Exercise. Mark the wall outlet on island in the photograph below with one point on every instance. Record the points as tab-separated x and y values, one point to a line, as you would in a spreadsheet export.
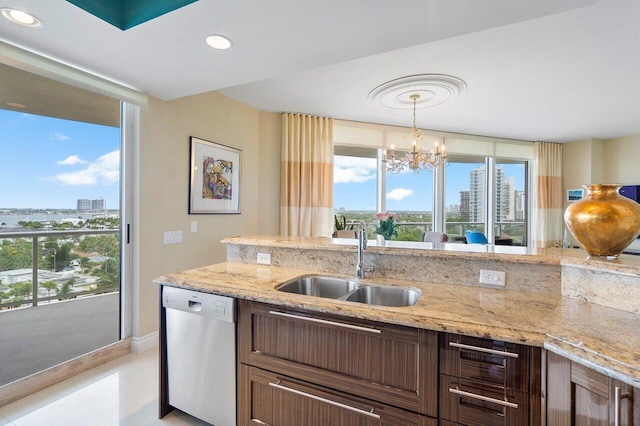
492	277
264	258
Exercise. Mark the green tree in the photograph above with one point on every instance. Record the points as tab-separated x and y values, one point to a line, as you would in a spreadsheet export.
22	289
49	285
66	287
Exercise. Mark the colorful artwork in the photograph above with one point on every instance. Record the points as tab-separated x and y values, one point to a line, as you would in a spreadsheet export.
217	179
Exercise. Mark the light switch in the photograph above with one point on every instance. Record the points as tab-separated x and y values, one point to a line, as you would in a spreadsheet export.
194	226
172	237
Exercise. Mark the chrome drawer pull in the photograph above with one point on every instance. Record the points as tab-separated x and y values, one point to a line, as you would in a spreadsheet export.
616	407
483	398
485	350
320	321
328	401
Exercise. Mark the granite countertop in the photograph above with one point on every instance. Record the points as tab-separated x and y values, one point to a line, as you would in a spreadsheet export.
625	264
602	338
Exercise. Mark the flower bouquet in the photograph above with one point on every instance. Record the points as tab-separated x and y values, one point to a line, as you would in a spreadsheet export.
387	223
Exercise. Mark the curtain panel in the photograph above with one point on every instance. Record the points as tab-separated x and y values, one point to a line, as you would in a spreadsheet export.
547	222
306	176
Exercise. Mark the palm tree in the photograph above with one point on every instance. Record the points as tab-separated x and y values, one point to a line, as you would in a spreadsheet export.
49	285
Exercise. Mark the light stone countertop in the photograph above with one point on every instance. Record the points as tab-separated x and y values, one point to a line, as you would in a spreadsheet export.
627	264
599	337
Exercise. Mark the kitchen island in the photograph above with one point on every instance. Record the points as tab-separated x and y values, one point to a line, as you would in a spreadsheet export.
533	311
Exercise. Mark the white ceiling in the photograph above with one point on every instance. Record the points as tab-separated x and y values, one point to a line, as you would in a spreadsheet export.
553	70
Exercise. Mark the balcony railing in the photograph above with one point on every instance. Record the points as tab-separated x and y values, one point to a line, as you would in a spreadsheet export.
516	230
35	260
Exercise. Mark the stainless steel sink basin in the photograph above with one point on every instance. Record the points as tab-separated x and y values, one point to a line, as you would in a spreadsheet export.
385	296
330	287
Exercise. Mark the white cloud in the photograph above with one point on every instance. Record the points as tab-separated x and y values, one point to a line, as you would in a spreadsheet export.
59	137
353	169
104	171
71	160
399	194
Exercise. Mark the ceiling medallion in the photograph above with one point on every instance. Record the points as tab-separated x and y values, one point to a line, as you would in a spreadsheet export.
434	89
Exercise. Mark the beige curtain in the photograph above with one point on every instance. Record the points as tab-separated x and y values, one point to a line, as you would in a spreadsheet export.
547	220
306	176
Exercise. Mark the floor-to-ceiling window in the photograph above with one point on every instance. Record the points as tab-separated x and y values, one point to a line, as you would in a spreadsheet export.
410	196
60	222
355	175
465	193
483	187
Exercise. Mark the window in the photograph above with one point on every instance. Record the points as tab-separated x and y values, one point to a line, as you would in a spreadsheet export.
410	195
511	202
355	174
465	193
482	188
60	231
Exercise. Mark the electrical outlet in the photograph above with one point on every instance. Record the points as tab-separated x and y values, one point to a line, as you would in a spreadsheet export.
264	258
492	277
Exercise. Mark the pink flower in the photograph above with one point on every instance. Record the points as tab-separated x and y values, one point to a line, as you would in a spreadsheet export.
387	216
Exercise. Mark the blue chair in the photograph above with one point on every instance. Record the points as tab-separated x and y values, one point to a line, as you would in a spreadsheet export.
474	237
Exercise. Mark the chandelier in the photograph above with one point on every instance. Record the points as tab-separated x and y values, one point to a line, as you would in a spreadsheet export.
416	159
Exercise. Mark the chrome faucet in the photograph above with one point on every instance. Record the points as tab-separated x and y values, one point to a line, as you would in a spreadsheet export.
361	268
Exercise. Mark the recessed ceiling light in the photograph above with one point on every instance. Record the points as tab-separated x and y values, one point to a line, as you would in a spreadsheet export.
218	41
16	105
20	17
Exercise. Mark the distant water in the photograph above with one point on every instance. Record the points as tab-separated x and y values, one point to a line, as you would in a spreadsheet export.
12	220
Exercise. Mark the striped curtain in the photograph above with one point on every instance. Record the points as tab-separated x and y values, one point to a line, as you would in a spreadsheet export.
547	195
306	176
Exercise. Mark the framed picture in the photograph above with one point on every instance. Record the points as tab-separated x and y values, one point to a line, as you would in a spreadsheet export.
575	194
214	178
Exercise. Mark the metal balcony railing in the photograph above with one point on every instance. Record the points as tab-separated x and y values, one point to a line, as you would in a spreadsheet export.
35	258
517	230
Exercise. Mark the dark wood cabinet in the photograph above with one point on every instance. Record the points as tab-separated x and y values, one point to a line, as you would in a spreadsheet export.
393	366
488	382
274	399
577	395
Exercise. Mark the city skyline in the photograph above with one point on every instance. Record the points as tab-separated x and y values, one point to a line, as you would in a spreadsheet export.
355	184
55	162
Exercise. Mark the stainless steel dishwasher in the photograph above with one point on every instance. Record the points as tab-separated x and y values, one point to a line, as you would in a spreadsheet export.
201	354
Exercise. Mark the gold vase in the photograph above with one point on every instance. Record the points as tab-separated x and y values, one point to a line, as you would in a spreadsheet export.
604	222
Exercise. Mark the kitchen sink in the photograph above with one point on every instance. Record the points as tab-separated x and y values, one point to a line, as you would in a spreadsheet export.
351	291
385	296
330	287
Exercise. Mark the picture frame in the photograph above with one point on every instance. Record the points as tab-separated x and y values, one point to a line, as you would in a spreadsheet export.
575	195
214	178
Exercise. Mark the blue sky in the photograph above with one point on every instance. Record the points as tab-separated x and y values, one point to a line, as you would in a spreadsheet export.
50	163
355	187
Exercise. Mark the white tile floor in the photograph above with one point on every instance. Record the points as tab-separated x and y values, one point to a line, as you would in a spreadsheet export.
120	392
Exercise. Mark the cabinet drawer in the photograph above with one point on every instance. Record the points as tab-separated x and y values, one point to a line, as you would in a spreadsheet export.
386	363
472	403
492	361
277	400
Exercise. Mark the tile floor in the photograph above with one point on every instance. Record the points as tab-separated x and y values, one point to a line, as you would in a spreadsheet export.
121	392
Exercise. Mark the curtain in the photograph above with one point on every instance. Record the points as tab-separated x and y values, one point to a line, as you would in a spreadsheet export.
547	195
306	176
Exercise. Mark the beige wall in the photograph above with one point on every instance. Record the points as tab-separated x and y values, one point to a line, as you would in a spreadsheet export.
601	161
621	157
163	174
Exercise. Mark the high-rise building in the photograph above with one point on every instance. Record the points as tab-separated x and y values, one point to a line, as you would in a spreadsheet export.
464	205
477	195
91	206
520	205
509	213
